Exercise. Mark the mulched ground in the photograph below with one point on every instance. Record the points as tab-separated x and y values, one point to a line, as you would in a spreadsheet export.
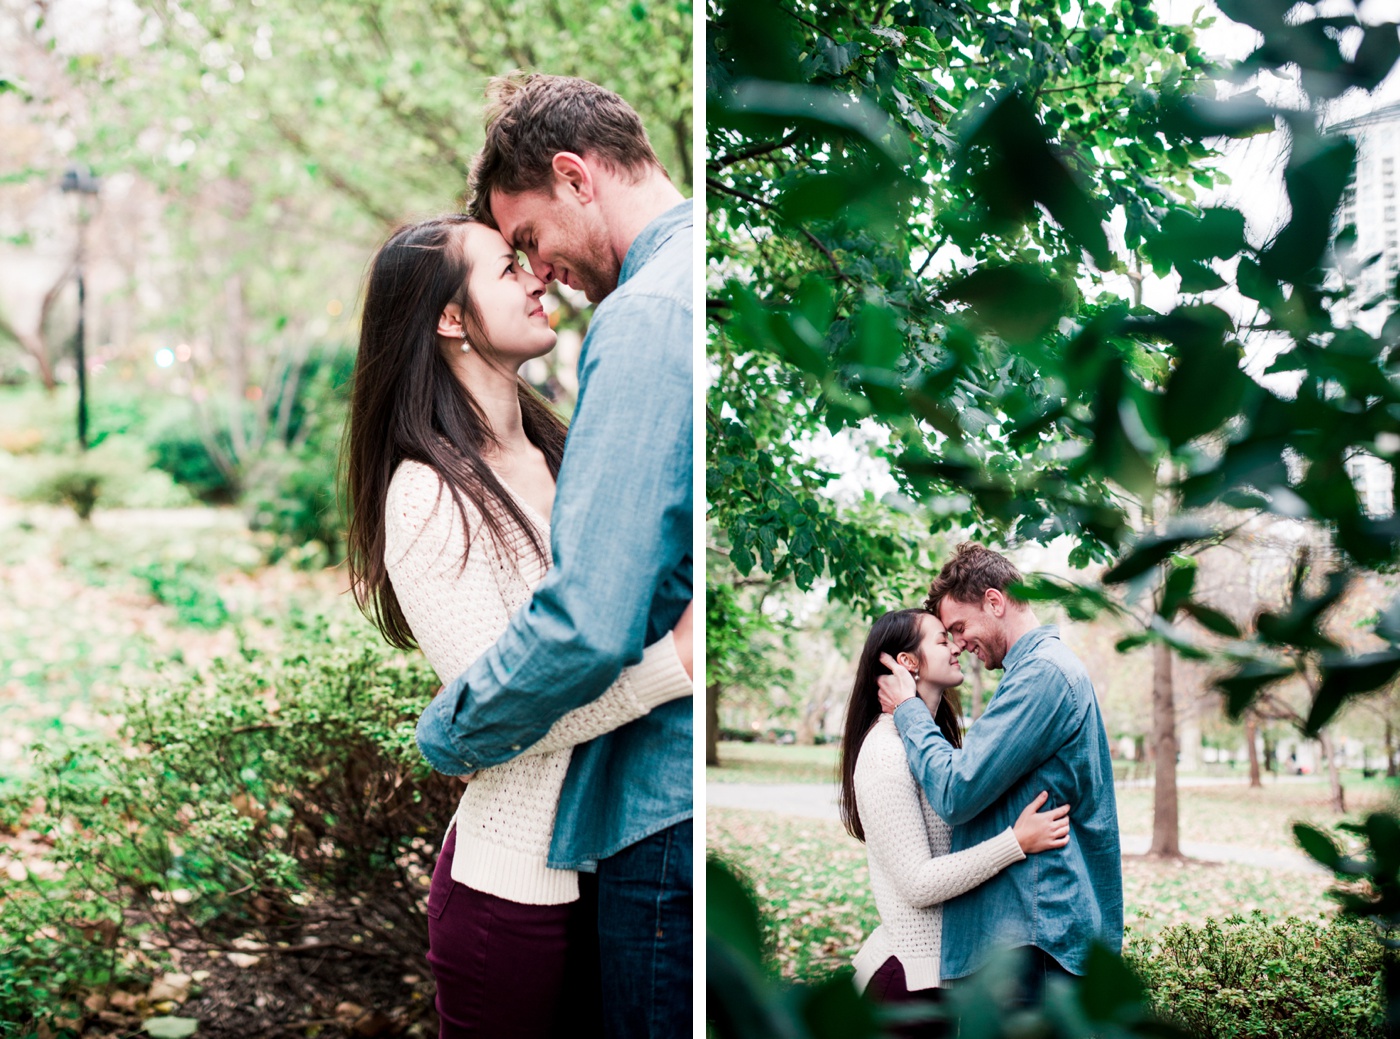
330	974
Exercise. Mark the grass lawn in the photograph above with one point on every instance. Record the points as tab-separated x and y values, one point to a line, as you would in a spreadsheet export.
810	877
1228	814
774	763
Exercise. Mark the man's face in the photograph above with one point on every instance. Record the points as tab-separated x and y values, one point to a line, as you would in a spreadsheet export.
562	239
975	628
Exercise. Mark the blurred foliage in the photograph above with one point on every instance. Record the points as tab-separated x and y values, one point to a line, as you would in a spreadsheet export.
906	230
281	141
226	799
1241	976
954	293
744	1000
114	474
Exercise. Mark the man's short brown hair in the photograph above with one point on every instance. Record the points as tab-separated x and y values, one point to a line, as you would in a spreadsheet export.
531	117
966	577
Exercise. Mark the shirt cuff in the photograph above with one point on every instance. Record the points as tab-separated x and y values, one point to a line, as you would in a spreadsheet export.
904	715
660	676
434	738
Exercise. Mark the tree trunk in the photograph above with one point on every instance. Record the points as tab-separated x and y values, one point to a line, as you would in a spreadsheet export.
1389	751
1334	778
1165	831
1251	736
712	724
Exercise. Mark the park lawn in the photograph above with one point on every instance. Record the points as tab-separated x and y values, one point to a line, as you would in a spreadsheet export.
810	878
1261	818
1231	813
774	763
89	609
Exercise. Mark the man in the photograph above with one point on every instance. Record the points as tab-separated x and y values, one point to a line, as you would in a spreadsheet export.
1041	731
569	178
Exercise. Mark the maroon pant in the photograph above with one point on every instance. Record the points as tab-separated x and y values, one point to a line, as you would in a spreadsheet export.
888	986
509	970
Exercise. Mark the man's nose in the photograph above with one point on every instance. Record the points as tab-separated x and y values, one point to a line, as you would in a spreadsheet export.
540	269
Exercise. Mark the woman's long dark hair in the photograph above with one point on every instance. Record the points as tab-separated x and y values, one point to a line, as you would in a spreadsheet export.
894	633
407	405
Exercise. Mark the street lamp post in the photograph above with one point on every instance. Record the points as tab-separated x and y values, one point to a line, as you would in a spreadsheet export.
79	181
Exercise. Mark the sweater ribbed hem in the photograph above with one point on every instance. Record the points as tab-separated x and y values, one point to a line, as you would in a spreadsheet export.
513	875
659	677
920	972
1005	848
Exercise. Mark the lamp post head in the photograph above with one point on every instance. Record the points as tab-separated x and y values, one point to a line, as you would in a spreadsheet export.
79	179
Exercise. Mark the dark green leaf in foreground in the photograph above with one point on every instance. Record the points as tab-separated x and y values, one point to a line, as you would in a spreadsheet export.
1021	170
1039	300
1317	844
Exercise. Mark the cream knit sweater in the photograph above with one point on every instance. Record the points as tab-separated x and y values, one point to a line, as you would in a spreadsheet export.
911	871
506	816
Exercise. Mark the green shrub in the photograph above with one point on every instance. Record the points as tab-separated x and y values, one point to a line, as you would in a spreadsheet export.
195	599
292	498
226	799
179	449
76	483
1242	977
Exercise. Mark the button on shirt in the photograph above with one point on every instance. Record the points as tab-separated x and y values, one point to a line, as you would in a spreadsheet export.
1041	731
621	535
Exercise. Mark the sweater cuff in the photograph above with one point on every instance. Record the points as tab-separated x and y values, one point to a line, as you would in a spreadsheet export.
660	676
1005	848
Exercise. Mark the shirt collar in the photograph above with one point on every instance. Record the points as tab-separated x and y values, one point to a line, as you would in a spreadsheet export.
1028	642
654	236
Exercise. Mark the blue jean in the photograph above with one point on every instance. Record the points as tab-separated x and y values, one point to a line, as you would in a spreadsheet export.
644	936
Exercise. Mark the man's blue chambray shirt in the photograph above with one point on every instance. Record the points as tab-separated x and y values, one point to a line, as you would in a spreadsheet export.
621	534
1041	731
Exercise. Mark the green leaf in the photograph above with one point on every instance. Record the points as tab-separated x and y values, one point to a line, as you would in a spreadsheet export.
1151	551
1243	685
1018	302
1318	845
1109	987
1212	620
1347	678
1022	170
878	342
730	914
1317	174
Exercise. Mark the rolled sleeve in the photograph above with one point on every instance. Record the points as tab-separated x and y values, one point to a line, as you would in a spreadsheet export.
621	525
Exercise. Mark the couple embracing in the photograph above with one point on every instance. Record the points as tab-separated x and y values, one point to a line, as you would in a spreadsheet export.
544	572
1008	838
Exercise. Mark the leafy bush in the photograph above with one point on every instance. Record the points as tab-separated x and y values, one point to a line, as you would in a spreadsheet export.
1245	977
178	448
195	599
226	800
76	483
292	497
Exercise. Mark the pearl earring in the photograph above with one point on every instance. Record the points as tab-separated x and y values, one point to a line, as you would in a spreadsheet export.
466	346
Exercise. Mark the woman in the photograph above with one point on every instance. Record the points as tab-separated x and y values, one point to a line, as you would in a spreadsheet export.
452	460
907	845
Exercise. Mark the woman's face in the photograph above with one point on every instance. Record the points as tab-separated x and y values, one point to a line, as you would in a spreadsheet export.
506	297
937	654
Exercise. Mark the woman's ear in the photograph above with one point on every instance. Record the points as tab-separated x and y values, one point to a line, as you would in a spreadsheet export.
450	322
910	662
